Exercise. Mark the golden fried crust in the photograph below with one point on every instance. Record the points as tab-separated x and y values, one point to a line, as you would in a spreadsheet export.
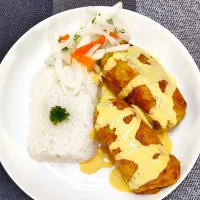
128	119
118	78
127	168
143	59
107	135
146	136
141	96
124	42
156	125
162	85
179	105
96	113
167	177
121	105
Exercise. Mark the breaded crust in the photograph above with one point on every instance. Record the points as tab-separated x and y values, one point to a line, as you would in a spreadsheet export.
119	77
146	136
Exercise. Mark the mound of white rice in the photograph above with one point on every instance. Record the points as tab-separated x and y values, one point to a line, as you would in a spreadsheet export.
68	141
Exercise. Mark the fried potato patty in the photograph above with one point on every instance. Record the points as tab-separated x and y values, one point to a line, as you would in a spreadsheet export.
118	78
146	136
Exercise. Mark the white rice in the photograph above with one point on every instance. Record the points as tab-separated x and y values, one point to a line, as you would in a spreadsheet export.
68	141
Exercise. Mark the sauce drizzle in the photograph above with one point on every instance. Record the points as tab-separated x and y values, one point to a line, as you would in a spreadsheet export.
149	75
117	181
166	141
100	160
130	148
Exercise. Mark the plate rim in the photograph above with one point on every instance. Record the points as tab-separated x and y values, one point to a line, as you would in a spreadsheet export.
171	35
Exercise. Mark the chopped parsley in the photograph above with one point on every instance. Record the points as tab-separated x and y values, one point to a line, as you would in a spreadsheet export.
115	31
93	20
110	21
65	48
76	37
59	39
99	14
122	31
58	114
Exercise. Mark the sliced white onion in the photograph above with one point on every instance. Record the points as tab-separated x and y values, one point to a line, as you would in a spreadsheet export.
51	39
98	55
111	28
65	89
89	82
123	36
101	21
78	74
66	57
72	78
86	39
118	5
64	75
101	52
69	43
50	60
107	45
95	11
91	86
122	47
97	30
97	68
92	50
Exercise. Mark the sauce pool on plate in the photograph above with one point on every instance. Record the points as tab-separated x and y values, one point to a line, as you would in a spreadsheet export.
100	160
166	141
117	181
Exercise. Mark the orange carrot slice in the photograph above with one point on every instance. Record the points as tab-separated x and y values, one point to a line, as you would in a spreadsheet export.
86	61
79	54
84	49
114	35
64	37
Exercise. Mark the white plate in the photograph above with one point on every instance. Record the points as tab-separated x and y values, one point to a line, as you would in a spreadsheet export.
44	181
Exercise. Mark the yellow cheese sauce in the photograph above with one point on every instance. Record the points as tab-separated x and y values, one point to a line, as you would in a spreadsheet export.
166	141
149	75
95	77
93	134
130	148
117	181
106	94
162	134
141	115
100	160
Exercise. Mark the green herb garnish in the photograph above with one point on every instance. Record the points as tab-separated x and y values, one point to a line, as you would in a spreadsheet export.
59	39
110	21
65	48
93	20
76	37
99	14
122	31
115	31
58	114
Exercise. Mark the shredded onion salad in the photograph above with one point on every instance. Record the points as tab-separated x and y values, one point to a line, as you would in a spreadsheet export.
77	52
